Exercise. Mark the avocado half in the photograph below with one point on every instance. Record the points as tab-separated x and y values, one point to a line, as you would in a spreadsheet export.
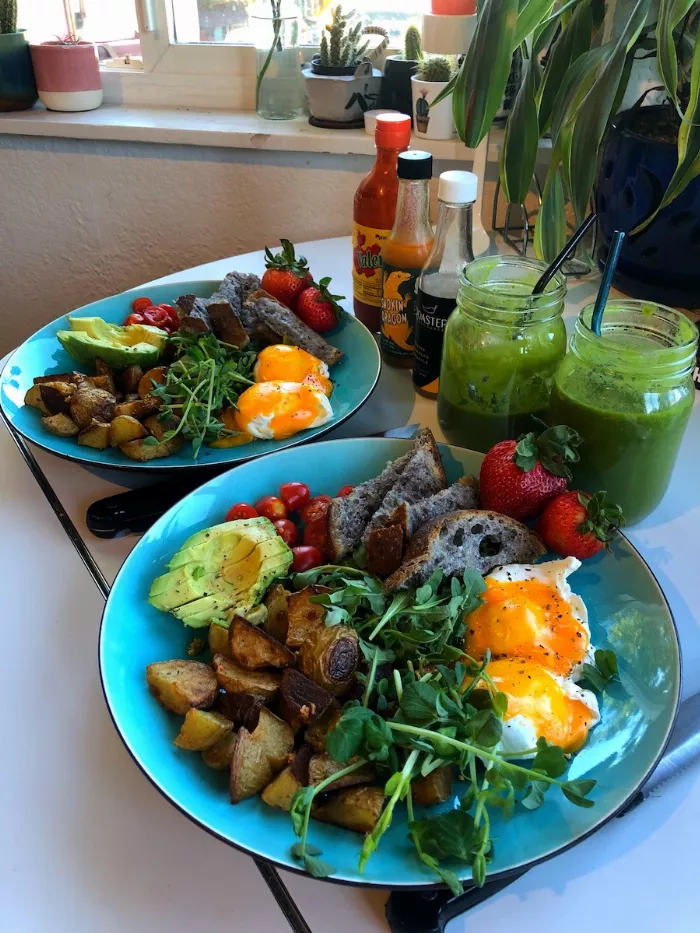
226	567
119	347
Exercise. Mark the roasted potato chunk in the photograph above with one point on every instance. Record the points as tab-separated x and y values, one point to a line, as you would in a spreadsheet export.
218	640
243	709
356	808
124	429
235	679
182	685
159	428
96	435
304	618
105	377
201	729
154	377
329	657
58	377
301	700
89	404
250	768
140	408
130	379
253	648
56	396
275	736
33	398
276	600
323	766
435	788
143	452
280	792
61	425
316	734
219	756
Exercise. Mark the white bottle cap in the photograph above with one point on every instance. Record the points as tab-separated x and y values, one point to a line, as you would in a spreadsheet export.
458	187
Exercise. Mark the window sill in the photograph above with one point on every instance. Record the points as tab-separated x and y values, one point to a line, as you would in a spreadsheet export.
199	127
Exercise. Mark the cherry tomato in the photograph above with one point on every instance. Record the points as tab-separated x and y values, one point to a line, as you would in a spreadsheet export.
287	531
240	510
135	318
316	534
306	558
315	508
157	317
344	491
271	507
140	304
295	495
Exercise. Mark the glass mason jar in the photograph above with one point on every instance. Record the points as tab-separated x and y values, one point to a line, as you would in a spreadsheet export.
279	86
629	394
501	349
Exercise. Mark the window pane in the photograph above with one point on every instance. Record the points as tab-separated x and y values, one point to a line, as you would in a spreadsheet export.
110	24
228	20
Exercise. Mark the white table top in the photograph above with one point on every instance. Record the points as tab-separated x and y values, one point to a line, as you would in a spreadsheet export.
89	846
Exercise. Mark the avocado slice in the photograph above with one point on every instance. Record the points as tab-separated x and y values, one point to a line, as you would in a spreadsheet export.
119	347
228	566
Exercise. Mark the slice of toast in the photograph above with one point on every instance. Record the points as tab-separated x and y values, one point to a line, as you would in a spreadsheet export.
464	494
471	538
385	550
274	322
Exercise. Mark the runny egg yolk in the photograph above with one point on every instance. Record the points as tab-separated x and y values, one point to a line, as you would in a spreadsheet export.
291	364
536	695
527	619
277	410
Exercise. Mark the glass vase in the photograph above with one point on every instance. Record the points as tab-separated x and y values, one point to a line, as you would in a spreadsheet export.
279	86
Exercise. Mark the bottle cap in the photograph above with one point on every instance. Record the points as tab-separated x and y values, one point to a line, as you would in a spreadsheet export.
415	164
458	187
393	131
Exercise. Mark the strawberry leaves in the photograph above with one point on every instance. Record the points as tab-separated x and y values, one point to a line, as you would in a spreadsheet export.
554	448
324	295
603	518
287	260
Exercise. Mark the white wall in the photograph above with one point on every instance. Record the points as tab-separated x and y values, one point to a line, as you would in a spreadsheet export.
80	220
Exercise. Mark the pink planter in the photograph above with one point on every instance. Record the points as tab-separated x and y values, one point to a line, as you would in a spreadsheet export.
67	76
453	7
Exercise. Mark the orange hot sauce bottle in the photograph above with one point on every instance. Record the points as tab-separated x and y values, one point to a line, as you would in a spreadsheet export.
373	216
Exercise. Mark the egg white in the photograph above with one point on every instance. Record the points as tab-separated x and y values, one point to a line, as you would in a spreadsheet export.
259	425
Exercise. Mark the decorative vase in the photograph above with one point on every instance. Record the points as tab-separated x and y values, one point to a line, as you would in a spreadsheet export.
17	85
67	75
396	84
340	95
279	88
431	122
660	263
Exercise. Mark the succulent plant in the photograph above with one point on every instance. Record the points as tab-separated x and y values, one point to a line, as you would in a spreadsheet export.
8	16
422	107
413	45
435	68
340	45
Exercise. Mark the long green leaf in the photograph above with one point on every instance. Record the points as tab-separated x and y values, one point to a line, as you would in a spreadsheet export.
531	14
572	43
485	70
519	152
448	88
688	166
550	229
575	85
592	118
671	12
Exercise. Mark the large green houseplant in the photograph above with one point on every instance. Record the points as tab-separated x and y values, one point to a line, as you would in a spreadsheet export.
578	64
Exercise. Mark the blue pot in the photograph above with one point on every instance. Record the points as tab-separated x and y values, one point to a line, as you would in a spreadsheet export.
17	87
662	263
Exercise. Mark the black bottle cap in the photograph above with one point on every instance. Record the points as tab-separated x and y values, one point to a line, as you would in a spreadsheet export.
415	164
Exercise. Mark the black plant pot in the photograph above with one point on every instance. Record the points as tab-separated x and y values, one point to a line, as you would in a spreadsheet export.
396	85
332	71
662	263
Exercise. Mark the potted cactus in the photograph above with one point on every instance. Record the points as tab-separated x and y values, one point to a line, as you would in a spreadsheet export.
432	122
67	74
17	87
341	81
398	70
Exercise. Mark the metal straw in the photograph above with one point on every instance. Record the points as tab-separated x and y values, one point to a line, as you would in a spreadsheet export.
568	249
606	281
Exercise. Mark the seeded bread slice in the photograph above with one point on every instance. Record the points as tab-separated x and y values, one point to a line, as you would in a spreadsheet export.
471	538
234	289
464	494
273	322
385	550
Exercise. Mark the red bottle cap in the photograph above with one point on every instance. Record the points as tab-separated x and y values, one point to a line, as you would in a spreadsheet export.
393	131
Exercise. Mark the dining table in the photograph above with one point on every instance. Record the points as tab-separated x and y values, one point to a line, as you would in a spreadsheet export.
88	845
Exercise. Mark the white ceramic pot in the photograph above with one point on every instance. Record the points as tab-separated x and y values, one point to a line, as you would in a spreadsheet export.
431	122
337	97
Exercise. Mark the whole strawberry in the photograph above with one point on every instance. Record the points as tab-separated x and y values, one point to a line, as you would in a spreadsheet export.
317	308
518	478
578	525
287	275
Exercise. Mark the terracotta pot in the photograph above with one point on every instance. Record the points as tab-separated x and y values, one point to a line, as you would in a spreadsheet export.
17	87
67	76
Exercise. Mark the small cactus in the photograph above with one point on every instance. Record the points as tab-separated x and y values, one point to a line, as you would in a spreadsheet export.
435	68
413	45
8	16
343	48
422	107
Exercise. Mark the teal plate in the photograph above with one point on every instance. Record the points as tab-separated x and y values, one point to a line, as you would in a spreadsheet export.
355	377
628	613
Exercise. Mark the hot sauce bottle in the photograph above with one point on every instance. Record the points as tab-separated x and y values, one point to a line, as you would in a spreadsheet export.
403	256
373	216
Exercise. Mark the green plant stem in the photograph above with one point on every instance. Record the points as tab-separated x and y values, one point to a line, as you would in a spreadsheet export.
398	684
370	679
398	603
277	27
372	841
317	790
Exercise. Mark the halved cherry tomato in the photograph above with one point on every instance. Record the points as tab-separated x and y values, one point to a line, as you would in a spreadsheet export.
140	304
240	510
344	491
271	507
306	558
295	495
287	531
158	317
135	318
315	508
316	534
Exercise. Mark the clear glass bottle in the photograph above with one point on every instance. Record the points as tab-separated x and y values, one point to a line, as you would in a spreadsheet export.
403	256
279	85
438	285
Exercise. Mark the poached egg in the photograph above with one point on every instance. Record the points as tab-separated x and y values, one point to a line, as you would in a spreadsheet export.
277	409
284	363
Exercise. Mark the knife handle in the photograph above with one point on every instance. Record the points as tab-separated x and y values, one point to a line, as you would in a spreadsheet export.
133	512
